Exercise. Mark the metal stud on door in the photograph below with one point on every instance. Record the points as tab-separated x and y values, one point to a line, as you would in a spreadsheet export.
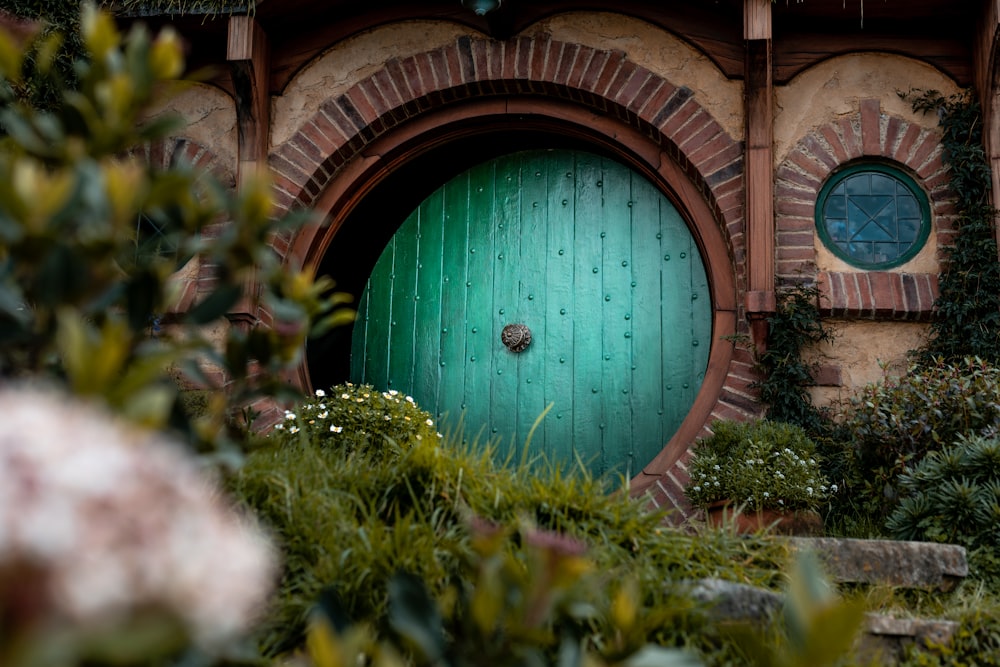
598	268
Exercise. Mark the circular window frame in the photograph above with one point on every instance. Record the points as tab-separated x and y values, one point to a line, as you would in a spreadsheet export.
893	171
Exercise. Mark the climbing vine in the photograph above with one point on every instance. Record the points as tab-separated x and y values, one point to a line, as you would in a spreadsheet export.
967	312
786	375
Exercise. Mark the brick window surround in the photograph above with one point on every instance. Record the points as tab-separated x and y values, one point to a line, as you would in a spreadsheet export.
868	133
605	84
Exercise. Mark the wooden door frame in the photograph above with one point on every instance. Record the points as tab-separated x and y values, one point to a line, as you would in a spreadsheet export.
387	153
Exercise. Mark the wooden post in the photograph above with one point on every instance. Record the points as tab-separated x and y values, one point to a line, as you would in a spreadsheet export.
987	79
759	99
250	67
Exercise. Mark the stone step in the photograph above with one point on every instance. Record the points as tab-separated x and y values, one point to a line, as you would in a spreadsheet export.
894	563
884	638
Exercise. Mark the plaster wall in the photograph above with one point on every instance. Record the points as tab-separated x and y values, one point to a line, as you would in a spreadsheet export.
348	62
210	119
834	89
659	51
865	352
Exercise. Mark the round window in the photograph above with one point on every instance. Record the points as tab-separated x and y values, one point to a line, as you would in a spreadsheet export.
872	216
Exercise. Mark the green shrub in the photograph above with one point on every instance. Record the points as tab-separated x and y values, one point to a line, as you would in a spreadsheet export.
763	464
357	419
349	519
952	496
890	426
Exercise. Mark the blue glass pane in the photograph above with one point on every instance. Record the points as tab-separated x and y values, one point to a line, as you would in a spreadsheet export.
861	252
886	252
858	185
883	185
907	206
837	229
872	232
909	230
838	190
836	207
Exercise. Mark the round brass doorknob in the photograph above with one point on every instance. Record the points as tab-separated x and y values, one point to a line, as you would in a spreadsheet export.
516	337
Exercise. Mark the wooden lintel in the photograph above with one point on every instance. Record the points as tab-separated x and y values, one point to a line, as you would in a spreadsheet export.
756	19
249	60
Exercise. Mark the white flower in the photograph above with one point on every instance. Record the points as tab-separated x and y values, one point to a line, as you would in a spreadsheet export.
323	415
289	415
419	438
429	422
760	461
697	488
716	467
439	436
409	399
781	502
715	483
833	487
779	475
750	462
279	427
345	395
388	418
809	490
111	520
360	400
767	495
320	393
294	429
336	429
322	406
393	392
801	462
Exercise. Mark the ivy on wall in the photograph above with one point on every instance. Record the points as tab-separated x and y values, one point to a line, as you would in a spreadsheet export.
967	313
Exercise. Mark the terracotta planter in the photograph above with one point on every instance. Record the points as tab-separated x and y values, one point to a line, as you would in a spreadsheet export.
784	522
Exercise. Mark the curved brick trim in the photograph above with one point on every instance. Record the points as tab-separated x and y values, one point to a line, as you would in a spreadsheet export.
167	153
603	81
867	133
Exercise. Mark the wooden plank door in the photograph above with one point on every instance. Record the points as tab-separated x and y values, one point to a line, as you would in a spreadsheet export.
593	259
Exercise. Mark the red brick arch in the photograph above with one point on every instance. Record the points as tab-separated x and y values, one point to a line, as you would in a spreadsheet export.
706	169
868	133
166	153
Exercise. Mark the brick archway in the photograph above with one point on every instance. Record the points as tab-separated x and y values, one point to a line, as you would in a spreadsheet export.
655	125
167	153
869	133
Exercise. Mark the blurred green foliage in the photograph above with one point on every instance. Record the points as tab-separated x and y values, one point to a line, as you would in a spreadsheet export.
80	297
348	519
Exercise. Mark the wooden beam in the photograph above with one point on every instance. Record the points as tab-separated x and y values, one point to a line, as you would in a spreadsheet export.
248	54
759	96
756	19
986	67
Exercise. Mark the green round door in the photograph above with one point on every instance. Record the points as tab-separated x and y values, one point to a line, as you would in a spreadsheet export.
599	267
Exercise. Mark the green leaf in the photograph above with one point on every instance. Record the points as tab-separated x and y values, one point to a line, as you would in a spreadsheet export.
215	305
415	616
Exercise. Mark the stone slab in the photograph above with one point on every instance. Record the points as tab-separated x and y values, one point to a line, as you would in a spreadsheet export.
895	563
